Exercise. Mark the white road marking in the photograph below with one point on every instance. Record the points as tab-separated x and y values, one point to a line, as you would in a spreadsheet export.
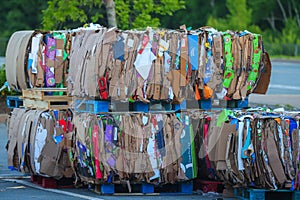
52	190
17	187
13	176
287	87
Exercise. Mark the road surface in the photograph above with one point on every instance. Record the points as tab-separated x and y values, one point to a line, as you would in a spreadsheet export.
2	61
284	88
285	78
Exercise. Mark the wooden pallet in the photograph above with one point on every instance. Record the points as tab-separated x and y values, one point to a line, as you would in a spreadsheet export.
262	194
46	98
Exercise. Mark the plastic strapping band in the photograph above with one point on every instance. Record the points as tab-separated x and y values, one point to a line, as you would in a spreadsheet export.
228	72
255	62
208	66
248	139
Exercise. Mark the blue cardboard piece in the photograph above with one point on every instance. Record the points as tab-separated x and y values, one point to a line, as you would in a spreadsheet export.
193	50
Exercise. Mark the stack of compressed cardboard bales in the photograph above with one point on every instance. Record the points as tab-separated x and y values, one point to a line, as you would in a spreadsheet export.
167	65
140	65
253	148
110	64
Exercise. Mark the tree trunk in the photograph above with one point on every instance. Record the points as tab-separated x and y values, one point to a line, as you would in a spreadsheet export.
290	9
110	12
297	13
282	10
131	13
271	21
212	3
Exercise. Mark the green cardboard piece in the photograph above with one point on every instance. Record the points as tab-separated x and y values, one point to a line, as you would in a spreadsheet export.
223	117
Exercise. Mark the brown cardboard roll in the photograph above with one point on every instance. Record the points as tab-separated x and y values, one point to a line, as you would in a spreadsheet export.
22	61
16	55
11	60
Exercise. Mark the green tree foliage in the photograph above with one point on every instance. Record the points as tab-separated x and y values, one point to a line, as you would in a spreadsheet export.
290	33
63	14
195	14
143	13
239	17
19	15
130	13
277	20
123	11
264	13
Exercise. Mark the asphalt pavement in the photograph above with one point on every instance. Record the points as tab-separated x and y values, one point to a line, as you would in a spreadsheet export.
284	87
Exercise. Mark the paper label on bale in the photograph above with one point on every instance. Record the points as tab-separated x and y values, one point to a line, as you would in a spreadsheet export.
130	43
40	140
144	61
59	52
153	157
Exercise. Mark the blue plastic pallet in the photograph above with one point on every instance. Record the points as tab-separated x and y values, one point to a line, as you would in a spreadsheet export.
160	106
184	188
107	189
242	103
148	189
14	101
143	188
238	103
296	195
91	106
165	106
261	194
152	106
140	106
120	106
206	104
177	107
